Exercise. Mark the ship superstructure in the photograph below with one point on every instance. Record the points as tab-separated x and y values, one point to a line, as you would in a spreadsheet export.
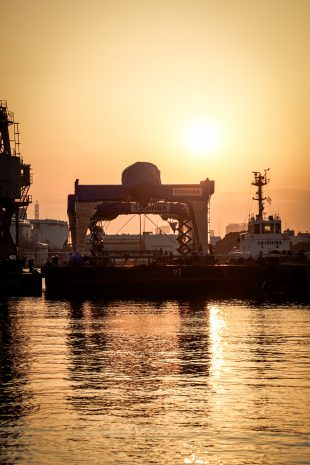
264	235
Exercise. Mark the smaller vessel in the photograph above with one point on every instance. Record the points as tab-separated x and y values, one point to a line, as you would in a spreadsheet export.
264	236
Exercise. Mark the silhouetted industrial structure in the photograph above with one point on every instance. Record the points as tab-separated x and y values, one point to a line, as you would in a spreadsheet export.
15	180
184	206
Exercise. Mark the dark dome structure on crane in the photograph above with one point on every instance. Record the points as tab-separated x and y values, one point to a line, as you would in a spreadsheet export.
141	180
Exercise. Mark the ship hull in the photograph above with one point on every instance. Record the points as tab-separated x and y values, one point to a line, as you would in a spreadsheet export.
20	284
174	280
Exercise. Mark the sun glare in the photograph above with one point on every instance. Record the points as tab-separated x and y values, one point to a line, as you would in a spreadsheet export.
202	138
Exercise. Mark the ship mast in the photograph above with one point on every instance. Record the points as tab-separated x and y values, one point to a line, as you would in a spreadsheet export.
260	180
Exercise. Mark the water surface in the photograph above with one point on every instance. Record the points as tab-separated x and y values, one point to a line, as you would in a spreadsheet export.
144	382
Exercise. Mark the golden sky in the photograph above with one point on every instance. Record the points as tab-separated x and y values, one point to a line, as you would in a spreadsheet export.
200	88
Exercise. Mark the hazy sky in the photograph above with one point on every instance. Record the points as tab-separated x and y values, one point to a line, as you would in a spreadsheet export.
201	88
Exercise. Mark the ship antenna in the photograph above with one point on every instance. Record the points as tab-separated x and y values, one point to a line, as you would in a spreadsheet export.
260	180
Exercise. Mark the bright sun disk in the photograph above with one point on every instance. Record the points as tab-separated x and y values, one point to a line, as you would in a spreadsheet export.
202	138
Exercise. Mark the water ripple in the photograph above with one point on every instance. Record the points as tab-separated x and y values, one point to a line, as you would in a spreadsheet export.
167	382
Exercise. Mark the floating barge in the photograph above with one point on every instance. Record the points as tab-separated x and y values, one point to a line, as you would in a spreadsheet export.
152	281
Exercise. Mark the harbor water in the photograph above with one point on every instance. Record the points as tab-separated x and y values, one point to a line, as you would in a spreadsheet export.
154	382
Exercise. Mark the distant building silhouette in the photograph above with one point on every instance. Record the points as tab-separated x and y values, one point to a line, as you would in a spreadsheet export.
37	211
236	227
52	232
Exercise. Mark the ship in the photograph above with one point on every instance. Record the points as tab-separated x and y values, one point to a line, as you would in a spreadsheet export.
264	237
15	181
193	272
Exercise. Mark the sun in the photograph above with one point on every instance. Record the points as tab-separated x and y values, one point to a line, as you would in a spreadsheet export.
202	137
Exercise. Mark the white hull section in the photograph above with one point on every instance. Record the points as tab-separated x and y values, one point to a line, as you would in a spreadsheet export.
258	245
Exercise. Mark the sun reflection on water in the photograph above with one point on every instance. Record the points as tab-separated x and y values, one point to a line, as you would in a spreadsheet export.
217	325
195	459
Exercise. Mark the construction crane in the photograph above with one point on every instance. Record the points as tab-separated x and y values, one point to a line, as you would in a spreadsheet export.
15	181
142	192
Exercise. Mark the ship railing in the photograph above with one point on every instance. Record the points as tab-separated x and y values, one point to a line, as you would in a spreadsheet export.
26	199
222	258
128	257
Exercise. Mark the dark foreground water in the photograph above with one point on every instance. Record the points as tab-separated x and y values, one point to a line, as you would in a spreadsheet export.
167	382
